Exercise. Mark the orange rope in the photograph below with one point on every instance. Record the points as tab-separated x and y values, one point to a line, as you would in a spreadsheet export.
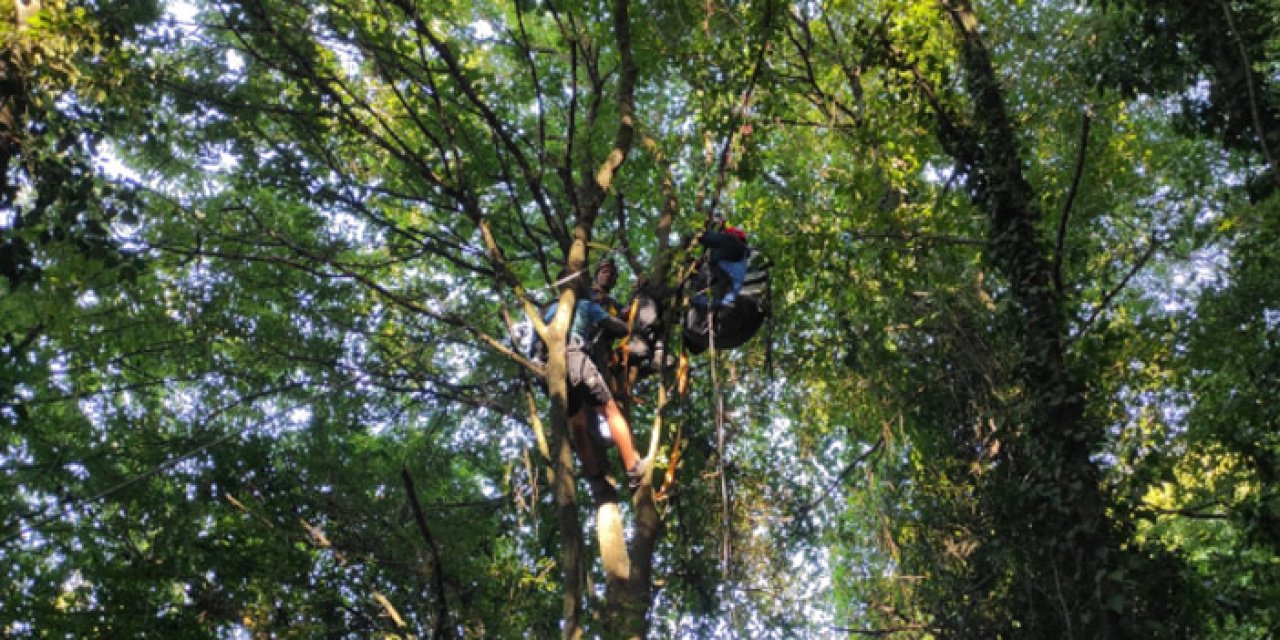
631	323
669	478
682	375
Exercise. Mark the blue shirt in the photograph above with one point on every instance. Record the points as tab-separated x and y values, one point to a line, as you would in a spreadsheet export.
586	316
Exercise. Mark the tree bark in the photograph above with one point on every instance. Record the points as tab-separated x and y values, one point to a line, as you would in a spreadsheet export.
572	555
1077	536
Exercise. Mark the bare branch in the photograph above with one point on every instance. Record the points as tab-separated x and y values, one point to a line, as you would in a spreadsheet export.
840	479
1071	198
1255	112
1152	245
443	627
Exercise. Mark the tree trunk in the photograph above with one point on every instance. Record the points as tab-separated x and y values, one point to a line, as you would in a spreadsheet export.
562	478
1077	537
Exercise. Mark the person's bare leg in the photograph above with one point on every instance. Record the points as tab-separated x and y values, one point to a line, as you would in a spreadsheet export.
578	425
621	433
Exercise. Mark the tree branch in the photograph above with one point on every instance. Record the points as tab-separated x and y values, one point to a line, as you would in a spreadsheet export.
1190	513
1071	198
840	479
1255	112
1152	245
491	119
443	627
172	462
887	631
740	116
918	237
593	191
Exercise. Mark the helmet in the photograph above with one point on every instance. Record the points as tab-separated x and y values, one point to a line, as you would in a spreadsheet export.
606	273
737	233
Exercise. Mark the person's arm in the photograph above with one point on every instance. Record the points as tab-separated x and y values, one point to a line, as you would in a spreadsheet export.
724	246
610	326
715	240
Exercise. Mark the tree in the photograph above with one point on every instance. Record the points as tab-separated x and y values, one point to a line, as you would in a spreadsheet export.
296	399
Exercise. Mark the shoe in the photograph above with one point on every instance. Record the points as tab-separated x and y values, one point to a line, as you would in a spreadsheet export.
635	475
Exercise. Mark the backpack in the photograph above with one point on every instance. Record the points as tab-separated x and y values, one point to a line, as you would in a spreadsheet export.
737	323
644	345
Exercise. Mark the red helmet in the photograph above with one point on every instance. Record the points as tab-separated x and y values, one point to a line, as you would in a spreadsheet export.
737	233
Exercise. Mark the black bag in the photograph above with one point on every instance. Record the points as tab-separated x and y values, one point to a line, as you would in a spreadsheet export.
737	322
644	346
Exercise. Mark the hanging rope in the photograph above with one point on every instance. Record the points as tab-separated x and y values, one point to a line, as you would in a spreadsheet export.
726	522
768	335
681	384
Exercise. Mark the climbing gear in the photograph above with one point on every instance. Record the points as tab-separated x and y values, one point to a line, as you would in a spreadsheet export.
738	318
682	375
643	349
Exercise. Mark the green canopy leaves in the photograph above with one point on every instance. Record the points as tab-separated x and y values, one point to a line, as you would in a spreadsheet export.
270	269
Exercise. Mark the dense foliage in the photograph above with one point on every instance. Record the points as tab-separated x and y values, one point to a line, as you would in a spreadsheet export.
269	271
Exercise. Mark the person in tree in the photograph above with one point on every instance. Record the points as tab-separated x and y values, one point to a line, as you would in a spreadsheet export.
602	285
602	353
588	390
728	266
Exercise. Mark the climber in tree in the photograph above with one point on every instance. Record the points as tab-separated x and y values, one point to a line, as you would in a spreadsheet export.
603	355
729	295
602	286
727	264
587	387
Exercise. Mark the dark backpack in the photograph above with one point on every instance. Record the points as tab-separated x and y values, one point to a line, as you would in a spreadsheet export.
737	323
644	345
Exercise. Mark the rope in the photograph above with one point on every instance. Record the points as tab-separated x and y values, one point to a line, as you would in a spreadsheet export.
768	335
631	323
725	520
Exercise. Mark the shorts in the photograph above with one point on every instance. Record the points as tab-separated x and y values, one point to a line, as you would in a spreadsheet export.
586	385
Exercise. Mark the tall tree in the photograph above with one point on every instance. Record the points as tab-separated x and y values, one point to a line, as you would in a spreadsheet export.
287	392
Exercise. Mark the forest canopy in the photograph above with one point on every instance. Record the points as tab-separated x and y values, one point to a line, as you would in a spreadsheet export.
272	274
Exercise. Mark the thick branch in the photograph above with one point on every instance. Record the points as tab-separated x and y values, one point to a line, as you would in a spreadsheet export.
670	209
593	191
